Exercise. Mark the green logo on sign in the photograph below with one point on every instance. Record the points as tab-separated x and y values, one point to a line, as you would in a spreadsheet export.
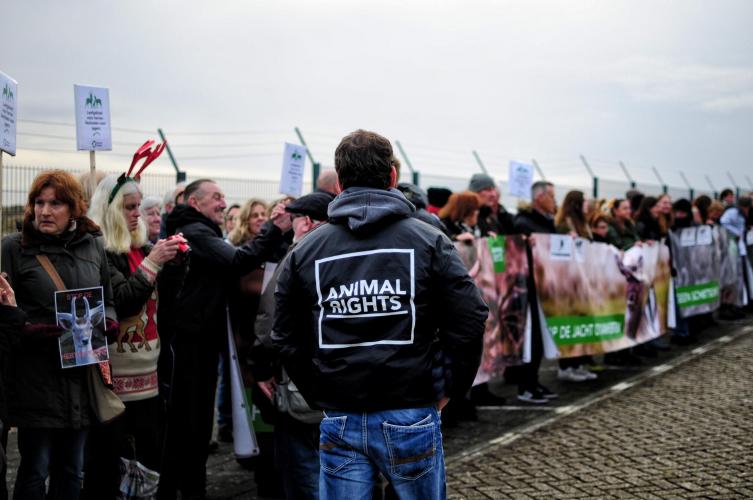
93	101
296	155
7	92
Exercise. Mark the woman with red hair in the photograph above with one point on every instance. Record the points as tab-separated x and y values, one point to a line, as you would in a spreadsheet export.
51	406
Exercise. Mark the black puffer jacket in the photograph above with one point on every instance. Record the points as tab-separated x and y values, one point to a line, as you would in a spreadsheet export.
214	267
364	303
532	221
41	393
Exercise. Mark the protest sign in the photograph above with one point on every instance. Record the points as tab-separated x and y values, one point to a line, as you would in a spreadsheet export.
520	179
92	106
8	113
81	315
293	161
245	444
731	285
499	267
598	300
697	285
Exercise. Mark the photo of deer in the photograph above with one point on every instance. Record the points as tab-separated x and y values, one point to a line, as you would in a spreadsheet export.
81	314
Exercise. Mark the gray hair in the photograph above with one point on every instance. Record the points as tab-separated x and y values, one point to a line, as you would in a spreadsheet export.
539	187
150	202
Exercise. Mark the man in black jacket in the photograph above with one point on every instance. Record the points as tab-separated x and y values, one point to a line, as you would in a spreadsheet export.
538	218
363	304
200	323
493	217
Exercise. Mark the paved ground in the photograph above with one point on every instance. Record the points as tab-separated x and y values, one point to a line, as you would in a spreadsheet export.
654	431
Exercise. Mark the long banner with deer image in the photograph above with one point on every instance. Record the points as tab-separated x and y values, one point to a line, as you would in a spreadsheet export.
595	299
81	315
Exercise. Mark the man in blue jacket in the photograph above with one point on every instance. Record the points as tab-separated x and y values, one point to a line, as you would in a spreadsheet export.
363	305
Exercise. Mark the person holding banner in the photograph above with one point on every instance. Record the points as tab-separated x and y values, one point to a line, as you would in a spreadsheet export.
571	219
52	406
622	232
493	218
135	268
200	322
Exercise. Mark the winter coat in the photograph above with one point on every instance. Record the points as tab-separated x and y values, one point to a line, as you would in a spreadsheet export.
532	221
622	239
199	315
40	392
501	222
365	302
12	319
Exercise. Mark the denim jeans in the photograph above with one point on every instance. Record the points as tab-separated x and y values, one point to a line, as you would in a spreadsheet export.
57	453
297	457
404	445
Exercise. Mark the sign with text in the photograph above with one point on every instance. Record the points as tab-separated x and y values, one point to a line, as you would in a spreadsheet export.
520	179
8	112
92	118
293	161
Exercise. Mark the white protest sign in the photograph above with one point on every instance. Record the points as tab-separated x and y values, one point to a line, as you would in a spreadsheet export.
293	161
561	247
704	236
749	238
520	179
92	118
8	112
687	237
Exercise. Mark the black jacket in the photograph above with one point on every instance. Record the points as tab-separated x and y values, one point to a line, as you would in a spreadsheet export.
532	221
41	393
364	303
214	268
12	319
500	223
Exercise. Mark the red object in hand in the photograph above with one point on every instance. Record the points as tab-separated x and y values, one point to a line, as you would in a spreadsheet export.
182	242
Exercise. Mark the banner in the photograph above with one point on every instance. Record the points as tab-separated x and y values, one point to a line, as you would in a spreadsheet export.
244	439
499	267
596	300
697	259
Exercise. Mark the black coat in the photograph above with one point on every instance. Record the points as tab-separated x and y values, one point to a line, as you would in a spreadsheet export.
40	392
12	319
501	222
365	302
214	267
532	221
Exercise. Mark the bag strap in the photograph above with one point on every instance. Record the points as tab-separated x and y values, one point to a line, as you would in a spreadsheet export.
47	265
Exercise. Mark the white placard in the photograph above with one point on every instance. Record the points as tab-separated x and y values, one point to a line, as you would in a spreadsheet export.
520	179
687	237
561	247
8	112
749	238
293	161
580	249
704	236
92	118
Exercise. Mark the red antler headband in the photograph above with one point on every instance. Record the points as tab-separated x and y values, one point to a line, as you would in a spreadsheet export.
145	153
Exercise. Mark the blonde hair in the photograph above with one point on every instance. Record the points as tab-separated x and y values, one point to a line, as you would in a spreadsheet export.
240	233
110	218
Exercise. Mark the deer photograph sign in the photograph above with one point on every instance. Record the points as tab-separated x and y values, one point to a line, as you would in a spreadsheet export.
81	314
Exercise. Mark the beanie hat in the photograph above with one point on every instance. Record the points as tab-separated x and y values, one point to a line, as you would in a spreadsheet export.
479	182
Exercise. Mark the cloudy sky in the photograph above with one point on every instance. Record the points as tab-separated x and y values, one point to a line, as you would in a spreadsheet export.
652	83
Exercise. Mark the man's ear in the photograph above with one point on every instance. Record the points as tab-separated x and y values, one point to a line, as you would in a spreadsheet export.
393	177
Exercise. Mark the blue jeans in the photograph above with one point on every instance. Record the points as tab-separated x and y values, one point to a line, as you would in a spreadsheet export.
297	457
57	453
404	445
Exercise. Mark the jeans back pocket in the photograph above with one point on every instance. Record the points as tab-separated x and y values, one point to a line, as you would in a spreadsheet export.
412	448
334	452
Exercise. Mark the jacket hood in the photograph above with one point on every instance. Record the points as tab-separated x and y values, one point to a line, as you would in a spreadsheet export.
414	194
182	215
362	208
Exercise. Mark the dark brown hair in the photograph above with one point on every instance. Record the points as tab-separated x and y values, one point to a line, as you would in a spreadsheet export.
68	190
364	159
460	205
571	213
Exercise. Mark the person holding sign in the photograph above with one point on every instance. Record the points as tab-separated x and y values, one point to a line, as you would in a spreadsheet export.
52	406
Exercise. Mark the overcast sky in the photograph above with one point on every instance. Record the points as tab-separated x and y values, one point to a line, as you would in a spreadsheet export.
664	83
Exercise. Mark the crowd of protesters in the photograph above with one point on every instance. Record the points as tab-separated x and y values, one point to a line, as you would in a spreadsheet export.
169	313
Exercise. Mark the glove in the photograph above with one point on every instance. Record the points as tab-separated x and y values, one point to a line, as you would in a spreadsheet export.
42	330
112	328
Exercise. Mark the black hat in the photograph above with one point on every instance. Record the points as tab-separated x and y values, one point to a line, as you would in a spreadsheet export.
313	205
682	205
438	196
